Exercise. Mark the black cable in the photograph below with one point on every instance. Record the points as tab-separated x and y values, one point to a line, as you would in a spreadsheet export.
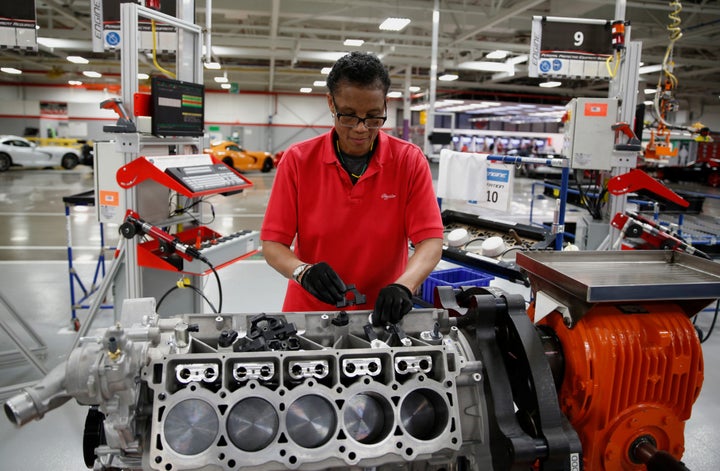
583	198
196	203
186	285
219	284
712	324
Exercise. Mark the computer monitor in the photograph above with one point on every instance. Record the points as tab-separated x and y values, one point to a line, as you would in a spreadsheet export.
441	138
178	108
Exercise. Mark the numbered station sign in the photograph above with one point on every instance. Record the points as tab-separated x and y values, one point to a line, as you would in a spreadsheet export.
570	47
473	179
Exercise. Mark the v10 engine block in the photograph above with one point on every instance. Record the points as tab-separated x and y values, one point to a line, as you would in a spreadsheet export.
317	390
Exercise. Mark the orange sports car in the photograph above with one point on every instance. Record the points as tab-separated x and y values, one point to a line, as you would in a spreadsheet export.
241	159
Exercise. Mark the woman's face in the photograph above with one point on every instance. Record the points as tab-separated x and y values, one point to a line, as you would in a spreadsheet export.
358	101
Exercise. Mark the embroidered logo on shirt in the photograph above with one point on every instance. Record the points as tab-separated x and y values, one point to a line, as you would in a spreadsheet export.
386	197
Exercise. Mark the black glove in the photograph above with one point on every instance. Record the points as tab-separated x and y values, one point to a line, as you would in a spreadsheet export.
393	302
321	281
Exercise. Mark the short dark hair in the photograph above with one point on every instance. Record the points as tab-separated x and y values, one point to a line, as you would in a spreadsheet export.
361	69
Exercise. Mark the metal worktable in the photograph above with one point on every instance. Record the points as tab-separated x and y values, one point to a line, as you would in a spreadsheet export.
581	279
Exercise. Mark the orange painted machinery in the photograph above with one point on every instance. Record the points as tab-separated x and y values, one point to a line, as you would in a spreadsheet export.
630	380
625	355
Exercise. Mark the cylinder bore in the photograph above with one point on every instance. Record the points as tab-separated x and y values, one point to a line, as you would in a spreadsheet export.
191	426
367	418
424	414
311	421
252	424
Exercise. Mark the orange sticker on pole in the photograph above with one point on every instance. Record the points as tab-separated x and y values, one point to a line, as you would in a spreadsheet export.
109	198
596	109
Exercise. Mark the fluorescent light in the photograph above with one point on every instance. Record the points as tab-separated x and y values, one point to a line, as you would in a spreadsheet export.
448	77
353	42
394	24
221	79
226	86
50	42
212	65
648	69
325	70
648	103
517	59
486	66
77	59
74	82
92	74
319	83
394	94
305	90
142	76
648	91
497	54
550	84
414	88
11	70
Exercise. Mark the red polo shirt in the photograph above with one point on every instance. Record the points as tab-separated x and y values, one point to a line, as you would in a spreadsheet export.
360	230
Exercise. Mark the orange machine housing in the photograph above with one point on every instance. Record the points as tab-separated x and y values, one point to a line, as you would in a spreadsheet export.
631	372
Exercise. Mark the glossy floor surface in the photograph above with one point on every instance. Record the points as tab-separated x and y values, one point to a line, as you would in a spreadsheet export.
34	232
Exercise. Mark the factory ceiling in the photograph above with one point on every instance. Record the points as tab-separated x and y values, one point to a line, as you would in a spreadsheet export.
282	45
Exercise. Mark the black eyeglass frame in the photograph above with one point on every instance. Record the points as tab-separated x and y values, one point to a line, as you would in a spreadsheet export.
358	119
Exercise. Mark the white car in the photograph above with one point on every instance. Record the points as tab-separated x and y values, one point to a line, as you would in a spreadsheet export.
15	150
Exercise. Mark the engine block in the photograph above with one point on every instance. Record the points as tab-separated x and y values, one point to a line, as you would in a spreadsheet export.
327	398
320	390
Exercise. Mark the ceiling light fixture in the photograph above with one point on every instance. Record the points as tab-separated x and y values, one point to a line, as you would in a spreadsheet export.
353	42
142	76
221	79
306	90
226	86
414	88
448	77
325	70
11	70
75	83
648	91
394	94
517	59
497	54
550	84
319	83
92	74
487	66
77	59
394	24
212	65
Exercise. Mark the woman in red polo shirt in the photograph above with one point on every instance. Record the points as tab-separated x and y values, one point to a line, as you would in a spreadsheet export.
351	199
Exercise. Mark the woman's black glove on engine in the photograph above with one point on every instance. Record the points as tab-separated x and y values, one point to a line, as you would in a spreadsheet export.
321	281
393	302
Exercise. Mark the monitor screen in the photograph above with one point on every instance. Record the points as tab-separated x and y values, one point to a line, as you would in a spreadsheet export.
178	108
441	138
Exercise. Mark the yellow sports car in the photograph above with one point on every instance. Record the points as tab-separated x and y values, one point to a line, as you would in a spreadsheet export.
242	160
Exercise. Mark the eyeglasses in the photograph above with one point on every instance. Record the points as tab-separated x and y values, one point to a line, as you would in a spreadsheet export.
351	120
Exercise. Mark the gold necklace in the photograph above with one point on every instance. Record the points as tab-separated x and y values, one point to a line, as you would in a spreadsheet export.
344	164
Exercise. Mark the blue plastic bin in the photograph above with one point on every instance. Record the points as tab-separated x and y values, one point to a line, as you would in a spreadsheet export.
455	277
